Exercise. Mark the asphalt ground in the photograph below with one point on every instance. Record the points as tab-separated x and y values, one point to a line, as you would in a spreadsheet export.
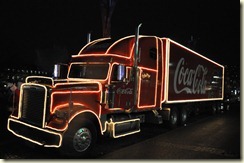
204	137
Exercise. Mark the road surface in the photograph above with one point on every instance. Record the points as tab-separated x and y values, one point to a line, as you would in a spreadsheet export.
203	137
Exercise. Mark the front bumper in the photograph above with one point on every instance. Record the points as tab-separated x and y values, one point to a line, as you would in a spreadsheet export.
37	135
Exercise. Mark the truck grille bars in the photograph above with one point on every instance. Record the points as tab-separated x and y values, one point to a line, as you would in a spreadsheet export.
33	104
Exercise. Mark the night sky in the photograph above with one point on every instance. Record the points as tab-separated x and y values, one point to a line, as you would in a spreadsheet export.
41	30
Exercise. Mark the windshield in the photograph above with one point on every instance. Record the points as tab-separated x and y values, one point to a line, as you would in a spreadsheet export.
89	71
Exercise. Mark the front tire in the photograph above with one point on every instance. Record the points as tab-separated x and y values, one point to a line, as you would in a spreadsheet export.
79	139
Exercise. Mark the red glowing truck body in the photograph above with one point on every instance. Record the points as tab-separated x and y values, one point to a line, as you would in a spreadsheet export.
114	86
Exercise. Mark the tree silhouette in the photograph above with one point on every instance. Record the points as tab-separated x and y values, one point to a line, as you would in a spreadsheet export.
107	8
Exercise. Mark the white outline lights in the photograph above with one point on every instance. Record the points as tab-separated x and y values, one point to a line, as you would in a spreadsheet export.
37	128
110	126
150	75
167	66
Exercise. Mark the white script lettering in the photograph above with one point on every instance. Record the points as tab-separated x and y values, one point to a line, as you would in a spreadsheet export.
192	81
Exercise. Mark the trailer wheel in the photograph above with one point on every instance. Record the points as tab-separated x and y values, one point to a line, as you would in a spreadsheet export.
213	109
183	116
79	139
173	119
226	107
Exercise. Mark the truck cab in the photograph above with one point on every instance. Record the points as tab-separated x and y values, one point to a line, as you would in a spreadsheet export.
102	88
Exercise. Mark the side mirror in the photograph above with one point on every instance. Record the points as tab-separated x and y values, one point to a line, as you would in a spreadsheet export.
60	71
121	73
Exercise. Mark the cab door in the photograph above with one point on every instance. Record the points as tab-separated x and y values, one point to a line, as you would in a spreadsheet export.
122	87
148	73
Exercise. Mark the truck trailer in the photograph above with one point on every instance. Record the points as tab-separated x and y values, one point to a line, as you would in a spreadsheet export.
111	87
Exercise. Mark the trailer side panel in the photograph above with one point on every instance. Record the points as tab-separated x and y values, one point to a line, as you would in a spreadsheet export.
193	77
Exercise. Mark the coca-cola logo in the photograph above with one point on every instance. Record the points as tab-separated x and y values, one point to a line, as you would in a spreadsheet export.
126	91
191	81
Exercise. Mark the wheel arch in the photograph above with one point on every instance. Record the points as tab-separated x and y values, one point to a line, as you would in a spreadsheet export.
90	116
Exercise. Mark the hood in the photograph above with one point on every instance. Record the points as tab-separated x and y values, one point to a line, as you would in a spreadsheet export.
82	85
64	84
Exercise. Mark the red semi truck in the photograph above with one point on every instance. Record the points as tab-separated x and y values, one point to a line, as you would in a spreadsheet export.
111	88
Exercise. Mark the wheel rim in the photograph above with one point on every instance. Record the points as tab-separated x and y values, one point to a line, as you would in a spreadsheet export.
214	109
173	118
82	139
183	115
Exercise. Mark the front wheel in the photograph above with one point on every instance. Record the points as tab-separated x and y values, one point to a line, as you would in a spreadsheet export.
79	139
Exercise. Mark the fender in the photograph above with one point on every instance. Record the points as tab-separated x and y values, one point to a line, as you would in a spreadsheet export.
91	115
62	116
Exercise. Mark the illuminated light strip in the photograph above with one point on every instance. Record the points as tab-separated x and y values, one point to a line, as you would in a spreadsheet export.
194	100
39	77
106	123
132	36
139	91
148	69
195	53
65	92
40	129
82	91
44	104
61	106
128	69
102	55
207	60
81	82
163	70
12	116
223	82
105	126
66	104
80	112
83	63
167	58
59	130
167	75
75	92
115	55
78	83
132	48
156	82
156	92
110	72
93	42
113	127
84	111
68	92
114	109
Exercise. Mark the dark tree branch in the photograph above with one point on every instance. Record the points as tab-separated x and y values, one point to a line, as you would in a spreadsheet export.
107	9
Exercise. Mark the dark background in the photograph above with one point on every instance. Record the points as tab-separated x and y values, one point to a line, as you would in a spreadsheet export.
42	32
